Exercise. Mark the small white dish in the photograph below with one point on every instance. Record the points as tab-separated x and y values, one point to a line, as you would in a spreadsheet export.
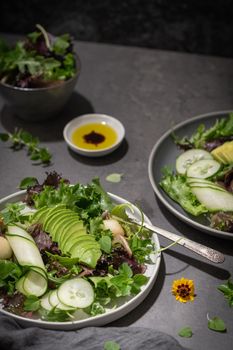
114	124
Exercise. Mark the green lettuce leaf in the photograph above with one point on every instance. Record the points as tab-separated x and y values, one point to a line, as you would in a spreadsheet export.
10	273
222	128
177	188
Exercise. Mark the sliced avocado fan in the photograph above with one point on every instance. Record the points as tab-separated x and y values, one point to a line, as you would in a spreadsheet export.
64	227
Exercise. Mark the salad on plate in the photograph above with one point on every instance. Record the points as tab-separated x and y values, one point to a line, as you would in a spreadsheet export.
69	252
202	182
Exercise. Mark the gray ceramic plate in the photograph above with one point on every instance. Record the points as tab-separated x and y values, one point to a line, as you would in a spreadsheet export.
164	154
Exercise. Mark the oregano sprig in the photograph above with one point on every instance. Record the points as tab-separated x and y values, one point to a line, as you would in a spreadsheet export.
23	139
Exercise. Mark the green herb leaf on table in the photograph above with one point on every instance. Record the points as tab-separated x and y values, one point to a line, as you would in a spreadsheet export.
27	181
23	139
227	290
185	332
216	324
111	345
115	177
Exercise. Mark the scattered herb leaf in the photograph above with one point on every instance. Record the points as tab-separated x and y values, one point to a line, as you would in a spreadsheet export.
185	332
216	324
111	345
227	290
27	181
115	177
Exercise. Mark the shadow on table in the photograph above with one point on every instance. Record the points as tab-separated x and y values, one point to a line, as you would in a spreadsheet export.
212	270
142	308
51	129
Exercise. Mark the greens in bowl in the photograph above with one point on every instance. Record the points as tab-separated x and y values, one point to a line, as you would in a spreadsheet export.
71	256
201	182
39	60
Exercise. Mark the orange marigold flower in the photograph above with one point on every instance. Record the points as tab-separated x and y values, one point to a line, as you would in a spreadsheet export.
183	290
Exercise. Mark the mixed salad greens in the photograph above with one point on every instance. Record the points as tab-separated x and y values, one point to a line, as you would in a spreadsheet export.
41	60
202	182
68	249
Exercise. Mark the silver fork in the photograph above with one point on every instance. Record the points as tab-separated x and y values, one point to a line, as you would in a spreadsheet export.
208	253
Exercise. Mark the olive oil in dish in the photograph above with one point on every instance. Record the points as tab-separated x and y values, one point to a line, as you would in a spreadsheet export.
94	136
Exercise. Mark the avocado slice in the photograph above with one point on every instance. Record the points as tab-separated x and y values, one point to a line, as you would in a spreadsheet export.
68	243
56	224
52	217
90	257
60	225
78	239
224	153
70	228
39	214
80	248
63	227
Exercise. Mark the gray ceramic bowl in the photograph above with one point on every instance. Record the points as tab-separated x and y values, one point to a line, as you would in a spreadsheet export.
35	104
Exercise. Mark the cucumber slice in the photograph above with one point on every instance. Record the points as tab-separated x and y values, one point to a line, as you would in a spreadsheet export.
203	181
189	157
39	270
44	302
203	168
26	252
55	302
77	293
19	285
35	284
214	199
199	185
14	230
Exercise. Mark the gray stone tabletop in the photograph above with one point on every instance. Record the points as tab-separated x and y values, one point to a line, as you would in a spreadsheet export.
148	91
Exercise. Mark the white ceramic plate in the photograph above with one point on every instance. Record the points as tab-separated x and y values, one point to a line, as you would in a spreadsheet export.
164	153
126	304
99	119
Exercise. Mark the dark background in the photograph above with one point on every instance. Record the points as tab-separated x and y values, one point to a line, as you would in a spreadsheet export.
197	26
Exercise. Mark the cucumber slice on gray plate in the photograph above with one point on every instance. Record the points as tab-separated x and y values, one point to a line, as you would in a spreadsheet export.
189	157
203	168
214	199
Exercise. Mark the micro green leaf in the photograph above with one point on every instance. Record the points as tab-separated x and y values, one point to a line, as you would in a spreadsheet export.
115	177
27	181
216	324
185	332
111	345
106	244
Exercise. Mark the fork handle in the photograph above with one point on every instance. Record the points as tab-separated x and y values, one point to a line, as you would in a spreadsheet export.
208	253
